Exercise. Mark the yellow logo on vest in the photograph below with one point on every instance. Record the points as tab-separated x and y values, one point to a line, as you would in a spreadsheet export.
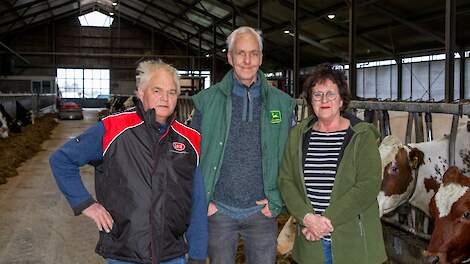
276	117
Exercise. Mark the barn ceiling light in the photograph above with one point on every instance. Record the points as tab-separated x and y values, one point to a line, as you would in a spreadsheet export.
286	31
224	50
111	13
331	16
114	3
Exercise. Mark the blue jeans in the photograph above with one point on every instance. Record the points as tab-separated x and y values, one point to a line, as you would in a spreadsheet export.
179	260
326	245
258	232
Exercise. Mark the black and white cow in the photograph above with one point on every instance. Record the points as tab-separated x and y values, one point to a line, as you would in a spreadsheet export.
3	126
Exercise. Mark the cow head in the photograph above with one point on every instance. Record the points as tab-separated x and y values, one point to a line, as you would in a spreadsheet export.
398	179
450	210
398	174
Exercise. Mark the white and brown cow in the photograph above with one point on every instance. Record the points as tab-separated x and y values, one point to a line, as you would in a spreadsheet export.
399	173
450	210
431	160
436	157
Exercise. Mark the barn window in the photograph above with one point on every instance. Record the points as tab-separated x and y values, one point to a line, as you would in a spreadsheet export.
95	19
83	83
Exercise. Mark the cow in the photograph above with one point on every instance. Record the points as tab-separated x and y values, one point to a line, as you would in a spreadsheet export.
3	126
13	125
450	210
399	173
23	115
436	162
400	184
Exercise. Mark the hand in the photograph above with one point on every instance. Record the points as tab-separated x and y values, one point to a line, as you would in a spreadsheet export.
265	211
309	235
318	225
212	209
100	215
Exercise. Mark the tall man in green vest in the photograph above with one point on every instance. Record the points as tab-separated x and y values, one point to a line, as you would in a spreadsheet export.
244	123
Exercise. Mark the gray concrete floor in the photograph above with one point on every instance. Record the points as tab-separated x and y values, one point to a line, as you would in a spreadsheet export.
36	223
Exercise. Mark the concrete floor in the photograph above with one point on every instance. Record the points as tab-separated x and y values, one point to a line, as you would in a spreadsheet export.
36	223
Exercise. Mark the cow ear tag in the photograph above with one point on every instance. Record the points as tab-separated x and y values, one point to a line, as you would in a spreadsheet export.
276	117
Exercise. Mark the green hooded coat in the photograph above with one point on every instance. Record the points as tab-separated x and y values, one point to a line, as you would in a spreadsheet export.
353	210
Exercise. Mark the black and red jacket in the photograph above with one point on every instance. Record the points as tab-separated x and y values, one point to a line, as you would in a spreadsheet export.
145	180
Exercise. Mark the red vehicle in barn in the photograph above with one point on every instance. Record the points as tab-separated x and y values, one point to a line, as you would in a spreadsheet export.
70	110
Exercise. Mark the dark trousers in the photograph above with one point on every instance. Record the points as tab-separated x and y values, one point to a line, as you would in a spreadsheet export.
258	232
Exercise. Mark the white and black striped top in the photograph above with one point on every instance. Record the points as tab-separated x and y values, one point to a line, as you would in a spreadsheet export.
320	167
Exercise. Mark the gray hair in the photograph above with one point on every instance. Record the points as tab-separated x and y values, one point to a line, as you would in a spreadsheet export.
240	30
145	69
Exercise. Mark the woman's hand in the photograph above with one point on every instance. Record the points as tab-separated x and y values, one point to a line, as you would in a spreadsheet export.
309	235
318	225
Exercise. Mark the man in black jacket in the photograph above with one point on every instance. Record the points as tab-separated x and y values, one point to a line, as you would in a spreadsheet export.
151	205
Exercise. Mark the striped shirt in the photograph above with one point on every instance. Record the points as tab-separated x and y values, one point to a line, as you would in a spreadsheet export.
320	167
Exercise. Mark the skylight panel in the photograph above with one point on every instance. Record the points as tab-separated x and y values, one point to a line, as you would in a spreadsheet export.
95	19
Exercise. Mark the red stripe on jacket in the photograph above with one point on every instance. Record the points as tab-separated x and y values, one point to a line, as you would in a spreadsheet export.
190	134
115	125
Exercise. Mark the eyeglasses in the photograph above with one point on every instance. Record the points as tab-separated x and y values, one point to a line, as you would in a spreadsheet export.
330	96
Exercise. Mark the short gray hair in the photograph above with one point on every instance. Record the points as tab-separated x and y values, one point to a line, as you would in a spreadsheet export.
145	69
245	29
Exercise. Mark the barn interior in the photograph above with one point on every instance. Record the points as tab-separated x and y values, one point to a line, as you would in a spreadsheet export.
406	63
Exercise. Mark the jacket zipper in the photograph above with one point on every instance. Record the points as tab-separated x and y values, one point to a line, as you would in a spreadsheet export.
248	104
153	245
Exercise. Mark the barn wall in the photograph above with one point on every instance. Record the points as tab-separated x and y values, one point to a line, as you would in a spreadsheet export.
85	47
421	81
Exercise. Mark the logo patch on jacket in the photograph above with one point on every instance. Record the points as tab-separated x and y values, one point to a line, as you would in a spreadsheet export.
178	146
276	117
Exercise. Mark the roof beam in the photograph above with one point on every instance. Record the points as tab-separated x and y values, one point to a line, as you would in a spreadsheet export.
218	21
14	53
18	7
186	9
175	15
58	16
159	20
176	38
141	13
343	30
427	16
12	21
400	18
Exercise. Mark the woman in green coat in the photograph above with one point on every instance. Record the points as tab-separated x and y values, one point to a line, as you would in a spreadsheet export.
330	178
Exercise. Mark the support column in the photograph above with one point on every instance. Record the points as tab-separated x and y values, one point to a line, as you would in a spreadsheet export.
462	75
352	50
450	49
260	14
296	50
399	79
214	52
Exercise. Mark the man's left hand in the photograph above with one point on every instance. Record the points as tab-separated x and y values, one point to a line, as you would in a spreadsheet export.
266	212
